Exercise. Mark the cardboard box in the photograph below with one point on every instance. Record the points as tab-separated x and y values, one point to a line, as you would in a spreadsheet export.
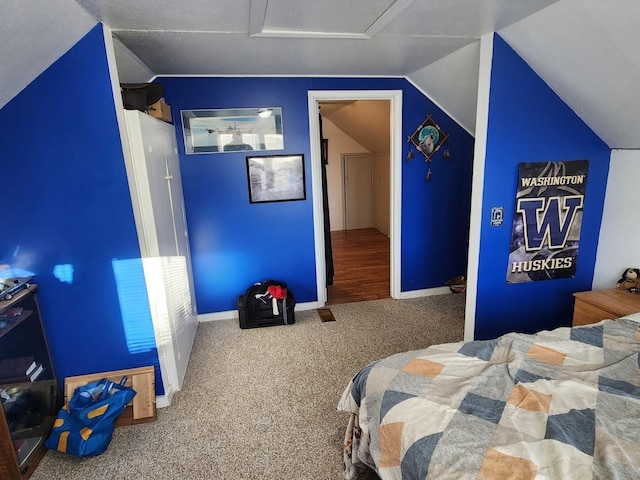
160	110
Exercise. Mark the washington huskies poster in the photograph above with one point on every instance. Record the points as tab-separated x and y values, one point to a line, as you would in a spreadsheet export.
547	220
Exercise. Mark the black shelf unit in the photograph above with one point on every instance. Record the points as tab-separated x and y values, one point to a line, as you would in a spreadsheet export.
28	386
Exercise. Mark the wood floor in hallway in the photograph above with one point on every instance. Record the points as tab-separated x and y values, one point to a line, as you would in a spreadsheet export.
361	263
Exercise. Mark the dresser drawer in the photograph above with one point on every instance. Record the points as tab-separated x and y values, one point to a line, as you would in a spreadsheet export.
584	314
597	305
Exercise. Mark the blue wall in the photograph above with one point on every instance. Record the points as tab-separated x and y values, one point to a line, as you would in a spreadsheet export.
234	243
72	224
68	216
528	122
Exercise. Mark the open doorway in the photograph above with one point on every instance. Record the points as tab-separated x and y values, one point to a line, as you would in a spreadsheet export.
358	187
365	247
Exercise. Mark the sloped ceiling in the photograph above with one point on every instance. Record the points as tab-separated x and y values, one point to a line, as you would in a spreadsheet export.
366	121
452	83
586	52
33	35
302	37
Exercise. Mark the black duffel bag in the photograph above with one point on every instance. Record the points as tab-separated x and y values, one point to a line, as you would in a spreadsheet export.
266	303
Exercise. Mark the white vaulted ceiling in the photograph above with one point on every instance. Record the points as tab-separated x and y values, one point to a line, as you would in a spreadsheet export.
293	37
585	52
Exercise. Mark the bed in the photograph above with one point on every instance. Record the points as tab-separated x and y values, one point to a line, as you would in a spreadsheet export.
559	404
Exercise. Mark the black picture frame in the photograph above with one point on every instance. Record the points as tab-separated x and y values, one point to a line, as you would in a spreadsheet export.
276	178
428	137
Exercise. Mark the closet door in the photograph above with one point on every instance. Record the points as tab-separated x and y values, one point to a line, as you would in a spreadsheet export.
158	203
182	300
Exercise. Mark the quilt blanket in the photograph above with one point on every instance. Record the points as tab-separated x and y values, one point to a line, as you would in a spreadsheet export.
560	404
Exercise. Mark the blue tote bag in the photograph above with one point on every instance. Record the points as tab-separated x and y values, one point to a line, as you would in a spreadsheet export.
84	426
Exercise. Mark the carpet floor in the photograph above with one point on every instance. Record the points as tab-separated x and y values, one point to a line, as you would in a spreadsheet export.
261	403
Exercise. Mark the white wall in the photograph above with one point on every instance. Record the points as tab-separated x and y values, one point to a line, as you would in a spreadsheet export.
381	185
619	241
339	143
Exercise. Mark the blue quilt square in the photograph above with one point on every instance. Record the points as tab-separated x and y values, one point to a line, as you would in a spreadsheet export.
523	376
416	461
482	407
482	349
390	399
589	335
618	387
577	428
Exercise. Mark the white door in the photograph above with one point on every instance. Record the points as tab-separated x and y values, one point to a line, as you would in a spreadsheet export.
173	244
158	201
358	191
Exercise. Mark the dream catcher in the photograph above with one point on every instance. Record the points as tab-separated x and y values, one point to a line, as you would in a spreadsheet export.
428	138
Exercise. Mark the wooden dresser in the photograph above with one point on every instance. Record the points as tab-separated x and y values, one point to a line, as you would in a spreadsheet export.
596	305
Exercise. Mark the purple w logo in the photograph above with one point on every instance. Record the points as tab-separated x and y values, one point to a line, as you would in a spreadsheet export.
546	221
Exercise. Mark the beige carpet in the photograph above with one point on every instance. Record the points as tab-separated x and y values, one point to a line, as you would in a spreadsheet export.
261	403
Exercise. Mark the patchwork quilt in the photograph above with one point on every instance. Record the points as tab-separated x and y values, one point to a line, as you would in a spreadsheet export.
560	404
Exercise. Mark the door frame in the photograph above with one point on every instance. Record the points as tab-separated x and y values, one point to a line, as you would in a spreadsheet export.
395	124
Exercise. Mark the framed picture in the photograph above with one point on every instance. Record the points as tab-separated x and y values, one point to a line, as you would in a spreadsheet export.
428	137
232	130
276	178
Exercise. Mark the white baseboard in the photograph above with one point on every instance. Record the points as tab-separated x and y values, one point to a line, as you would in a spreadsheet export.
163	401
428	292
233	314
216	316
307	306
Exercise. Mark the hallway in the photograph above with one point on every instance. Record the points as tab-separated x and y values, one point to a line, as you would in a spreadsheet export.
361	262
